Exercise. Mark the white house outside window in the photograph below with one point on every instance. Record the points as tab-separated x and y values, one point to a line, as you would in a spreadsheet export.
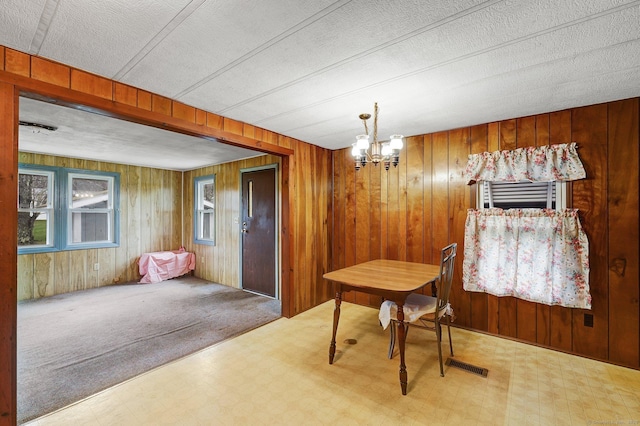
90	212
205	213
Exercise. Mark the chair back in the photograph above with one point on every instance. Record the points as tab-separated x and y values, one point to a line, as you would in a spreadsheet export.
447	262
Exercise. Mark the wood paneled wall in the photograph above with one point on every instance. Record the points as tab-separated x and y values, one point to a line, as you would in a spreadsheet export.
412	211
150	220
311	206
220	263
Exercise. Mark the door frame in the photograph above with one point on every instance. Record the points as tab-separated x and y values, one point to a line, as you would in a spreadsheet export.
278	228
122	103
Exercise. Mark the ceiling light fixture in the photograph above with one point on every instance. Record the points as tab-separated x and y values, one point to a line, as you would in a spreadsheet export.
387	152
38	125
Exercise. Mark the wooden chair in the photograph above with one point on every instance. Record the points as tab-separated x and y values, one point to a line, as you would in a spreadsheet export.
430	309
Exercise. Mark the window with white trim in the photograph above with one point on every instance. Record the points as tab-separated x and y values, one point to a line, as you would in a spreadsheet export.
66	209
521	195
205	212
90	212
35	208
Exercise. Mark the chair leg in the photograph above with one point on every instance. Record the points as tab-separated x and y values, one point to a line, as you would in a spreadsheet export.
393	333
439	338
449	332
392	338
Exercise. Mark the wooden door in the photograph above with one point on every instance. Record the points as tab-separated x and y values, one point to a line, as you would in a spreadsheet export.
258	227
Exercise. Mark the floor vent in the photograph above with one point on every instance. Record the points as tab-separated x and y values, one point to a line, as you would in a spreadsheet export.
468	367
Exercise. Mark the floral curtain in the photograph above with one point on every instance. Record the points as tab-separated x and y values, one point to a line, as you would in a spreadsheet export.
542	164
538	255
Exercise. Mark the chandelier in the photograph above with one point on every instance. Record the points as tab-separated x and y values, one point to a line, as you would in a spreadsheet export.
376	152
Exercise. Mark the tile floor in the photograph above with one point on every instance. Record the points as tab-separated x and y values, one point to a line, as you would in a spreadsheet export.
279	375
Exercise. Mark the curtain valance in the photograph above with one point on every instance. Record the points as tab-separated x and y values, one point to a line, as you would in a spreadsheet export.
542	164
540	255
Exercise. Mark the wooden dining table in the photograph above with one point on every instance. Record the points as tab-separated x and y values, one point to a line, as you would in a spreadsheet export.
392	280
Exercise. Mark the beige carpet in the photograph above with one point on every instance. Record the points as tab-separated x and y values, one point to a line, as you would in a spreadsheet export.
73	345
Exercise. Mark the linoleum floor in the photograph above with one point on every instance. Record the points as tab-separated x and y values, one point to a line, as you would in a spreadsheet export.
279	374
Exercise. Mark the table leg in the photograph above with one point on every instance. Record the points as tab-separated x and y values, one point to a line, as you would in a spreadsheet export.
336	318
402	336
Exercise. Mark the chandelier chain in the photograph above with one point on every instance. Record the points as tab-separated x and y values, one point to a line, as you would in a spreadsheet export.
375	122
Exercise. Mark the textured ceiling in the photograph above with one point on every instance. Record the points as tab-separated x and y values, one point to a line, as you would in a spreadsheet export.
307	68
86	135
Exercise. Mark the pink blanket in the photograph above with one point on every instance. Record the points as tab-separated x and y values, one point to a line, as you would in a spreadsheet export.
162	265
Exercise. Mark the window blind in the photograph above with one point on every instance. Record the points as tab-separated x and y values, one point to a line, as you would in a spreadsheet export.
508	195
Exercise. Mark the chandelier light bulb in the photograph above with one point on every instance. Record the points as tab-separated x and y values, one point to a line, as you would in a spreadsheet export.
396	142
362	142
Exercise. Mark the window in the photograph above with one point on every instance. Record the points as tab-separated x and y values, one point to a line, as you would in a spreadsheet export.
90	211
521	195
205	214
66	209
35	208
523	247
